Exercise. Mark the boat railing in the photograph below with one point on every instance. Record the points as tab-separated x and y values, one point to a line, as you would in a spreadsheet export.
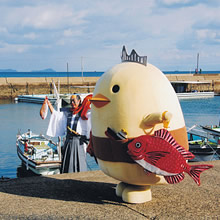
197	131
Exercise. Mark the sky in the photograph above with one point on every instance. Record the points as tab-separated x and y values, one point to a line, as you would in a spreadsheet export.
89	34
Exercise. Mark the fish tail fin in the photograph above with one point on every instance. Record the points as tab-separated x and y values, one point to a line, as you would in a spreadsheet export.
174	179
196	170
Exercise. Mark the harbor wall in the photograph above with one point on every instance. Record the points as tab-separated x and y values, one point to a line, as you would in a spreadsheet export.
12	87
211	81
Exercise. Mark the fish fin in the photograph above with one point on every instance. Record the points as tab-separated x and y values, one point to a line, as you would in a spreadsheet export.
196	170
165	135
174	179
154	156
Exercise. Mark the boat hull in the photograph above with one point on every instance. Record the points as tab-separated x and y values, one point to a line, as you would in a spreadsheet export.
202	152
195	95
39	99
33	163
40	168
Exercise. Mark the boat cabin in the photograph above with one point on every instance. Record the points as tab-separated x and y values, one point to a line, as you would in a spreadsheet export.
191	86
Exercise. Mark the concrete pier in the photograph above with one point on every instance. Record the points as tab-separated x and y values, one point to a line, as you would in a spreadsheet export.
91	195
12	87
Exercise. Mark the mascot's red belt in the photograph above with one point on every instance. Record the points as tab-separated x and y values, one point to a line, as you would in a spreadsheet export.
116	150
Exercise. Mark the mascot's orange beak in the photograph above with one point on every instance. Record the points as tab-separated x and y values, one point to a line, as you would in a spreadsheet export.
99	100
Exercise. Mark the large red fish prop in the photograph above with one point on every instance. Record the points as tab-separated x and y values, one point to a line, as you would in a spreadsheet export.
162	155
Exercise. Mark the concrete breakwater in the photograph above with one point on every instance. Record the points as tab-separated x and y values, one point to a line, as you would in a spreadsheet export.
199	82
12	87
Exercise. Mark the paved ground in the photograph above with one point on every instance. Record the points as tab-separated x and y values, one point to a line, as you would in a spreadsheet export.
91	195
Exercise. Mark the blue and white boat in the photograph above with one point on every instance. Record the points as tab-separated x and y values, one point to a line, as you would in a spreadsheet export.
38	153
204	143
39	99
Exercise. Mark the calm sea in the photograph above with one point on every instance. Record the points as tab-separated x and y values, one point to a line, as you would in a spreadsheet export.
50	74
15	116
79	74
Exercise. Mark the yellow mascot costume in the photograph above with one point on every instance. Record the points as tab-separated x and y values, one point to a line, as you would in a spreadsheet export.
133	98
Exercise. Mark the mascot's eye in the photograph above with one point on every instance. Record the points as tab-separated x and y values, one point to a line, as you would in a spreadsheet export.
138	145
115	88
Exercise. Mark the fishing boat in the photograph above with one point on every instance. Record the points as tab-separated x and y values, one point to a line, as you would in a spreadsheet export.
204	144
39	99
38	153
184	89
214	130
203	150
211	133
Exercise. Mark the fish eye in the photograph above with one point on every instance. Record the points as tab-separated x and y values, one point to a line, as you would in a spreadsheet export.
115	88
138	145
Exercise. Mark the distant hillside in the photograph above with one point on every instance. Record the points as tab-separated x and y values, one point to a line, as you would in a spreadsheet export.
49	70
7	70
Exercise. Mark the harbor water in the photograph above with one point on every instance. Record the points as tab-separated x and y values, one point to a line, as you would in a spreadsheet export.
24	116
79	74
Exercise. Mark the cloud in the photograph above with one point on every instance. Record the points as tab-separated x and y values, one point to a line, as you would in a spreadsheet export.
208	37
174	4
204	32
44	17
168	31
7	48
31	36
72	32
3	30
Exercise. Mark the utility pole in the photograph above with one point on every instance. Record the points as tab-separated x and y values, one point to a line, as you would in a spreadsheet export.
197	66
